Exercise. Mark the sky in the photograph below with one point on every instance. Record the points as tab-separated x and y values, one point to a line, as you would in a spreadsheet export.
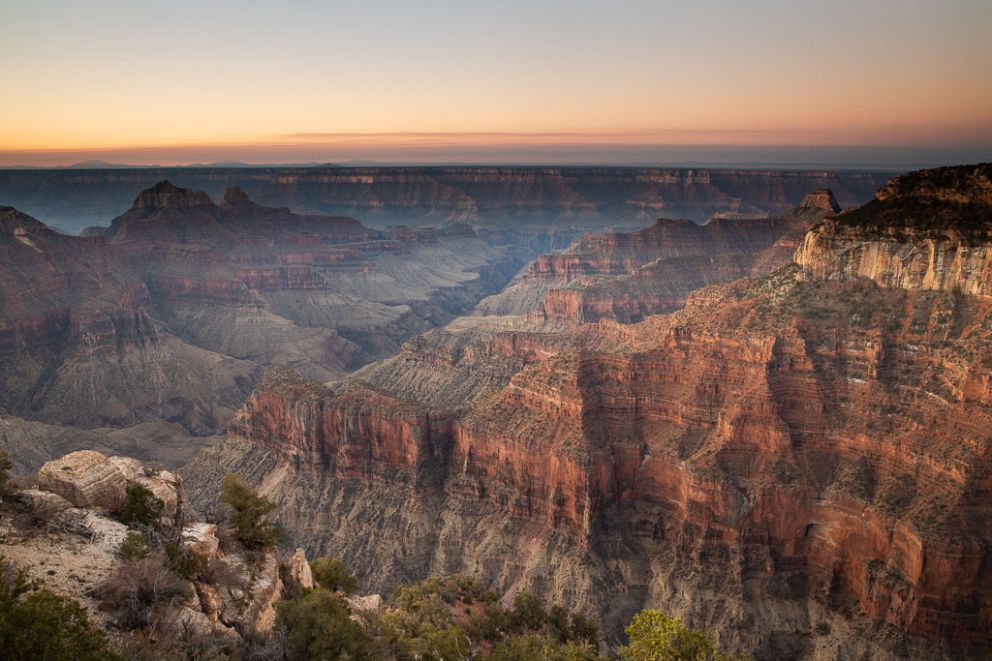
845	82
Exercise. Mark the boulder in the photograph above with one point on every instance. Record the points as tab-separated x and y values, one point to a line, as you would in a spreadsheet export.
190	622
299	569
86	479
92	480
42	504
163	484
201	539
364	603
210	600
251	607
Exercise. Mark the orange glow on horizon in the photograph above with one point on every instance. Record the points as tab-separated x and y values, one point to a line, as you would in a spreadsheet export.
323	79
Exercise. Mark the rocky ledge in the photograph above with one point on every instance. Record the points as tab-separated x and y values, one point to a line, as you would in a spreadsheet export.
928	230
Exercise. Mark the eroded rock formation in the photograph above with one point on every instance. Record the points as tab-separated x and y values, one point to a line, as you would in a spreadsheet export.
628	276
172	312
798	462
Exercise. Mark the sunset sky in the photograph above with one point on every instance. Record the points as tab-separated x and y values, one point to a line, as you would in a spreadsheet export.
869	82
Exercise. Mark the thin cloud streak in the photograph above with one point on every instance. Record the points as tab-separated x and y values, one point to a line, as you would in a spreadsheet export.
512	152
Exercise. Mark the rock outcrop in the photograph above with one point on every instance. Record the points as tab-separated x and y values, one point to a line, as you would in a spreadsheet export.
74	547
164	195
300	570
628	276
92	480
930	231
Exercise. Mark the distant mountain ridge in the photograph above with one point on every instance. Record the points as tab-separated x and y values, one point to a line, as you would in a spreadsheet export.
558	197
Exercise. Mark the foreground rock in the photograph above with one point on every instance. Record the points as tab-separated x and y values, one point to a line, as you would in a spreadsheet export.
72	544
92	480
300	570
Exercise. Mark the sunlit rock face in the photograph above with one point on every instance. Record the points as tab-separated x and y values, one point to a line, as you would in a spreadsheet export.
626	276
929	231
798	462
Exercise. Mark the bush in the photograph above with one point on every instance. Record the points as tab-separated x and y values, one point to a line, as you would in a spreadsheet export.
6	488
142	506
134	547
184	562
528	611
332	574
491	624
319	626
449	589
139	589
249	521
653	635
39	624
583	630
540	648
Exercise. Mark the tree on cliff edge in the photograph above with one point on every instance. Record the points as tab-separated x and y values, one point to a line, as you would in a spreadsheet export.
250	519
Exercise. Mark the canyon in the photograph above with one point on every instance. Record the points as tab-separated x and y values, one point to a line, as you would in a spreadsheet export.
162	322
790	448
772	424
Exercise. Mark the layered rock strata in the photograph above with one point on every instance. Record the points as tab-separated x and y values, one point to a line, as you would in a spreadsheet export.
171	313
798	462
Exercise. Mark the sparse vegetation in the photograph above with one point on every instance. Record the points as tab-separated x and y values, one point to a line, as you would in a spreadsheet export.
139	590
656	637
6	488
134	547
250	519
857	479
36	623
332	574
142	507
184	562
896	494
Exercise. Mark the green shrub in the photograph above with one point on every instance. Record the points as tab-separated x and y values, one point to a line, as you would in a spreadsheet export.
653	635
6	488
332	574
142	506
184	562
532	647
38	624
318	626
250	519
134	547
583	630
528	611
